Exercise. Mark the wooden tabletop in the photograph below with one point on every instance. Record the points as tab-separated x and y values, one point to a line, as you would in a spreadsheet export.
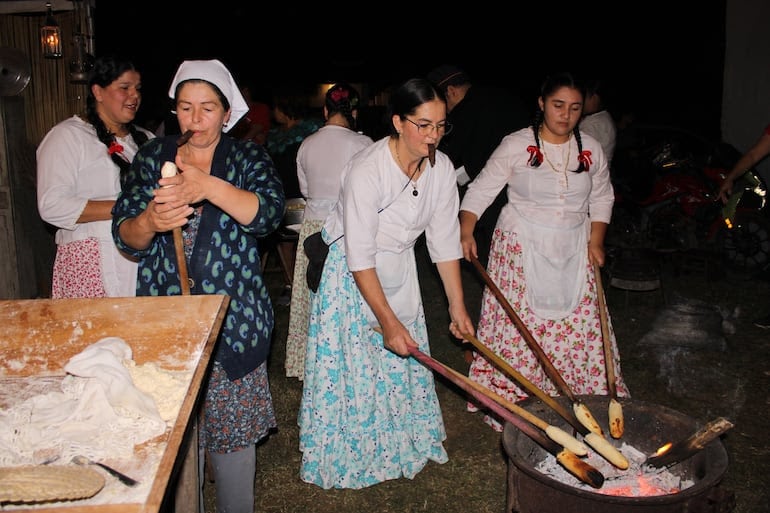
38	336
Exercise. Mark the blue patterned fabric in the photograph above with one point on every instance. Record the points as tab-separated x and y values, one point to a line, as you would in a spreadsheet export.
367	415
225	258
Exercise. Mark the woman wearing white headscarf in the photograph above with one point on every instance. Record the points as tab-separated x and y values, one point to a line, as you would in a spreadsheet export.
227	194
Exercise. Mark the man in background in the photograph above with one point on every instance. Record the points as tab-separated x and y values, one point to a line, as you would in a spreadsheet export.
481	116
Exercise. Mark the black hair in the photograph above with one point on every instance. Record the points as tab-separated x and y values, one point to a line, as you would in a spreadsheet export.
408	96
550	85
106	70
344	99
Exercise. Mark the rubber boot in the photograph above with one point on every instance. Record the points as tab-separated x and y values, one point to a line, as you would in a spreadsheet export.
234	474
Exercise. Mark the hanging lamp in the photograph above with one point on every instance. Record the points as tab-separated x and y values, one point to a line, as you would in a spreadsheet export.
50	36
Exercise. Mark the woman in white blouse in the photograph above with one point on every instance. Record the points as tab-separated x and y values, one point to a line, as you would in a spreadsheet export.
370	413
79	166
547	240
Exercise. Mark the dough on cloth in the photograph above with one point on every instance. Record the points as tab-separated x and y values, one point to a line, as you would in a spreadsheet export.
98	413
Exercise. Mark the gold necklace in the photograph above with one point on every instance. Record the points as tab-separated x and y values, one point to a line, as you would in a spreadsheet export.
415	192
565	161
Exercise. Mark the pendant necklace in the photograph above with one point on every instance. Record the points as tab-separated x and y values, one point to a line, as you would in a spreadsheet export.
565	161
415	192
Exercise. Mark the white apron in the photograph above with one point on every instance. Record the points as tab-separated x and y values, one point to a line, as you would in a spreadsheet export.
398	276
554	261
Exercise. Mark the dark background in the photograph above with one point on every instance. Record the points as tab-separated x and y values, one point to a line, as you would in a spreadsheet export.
660	61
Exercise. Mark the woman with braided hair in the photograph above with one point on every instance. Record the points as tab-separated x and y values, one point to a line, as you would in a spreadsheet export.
547	239
80	165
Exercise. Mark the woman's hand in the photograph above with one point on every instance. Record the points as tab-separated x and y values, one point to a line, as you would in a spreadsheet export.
596	255
460	324
397	339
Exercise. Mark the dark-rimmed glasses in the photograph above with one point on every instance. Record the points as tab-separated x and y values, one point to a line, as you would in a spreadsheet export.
429	128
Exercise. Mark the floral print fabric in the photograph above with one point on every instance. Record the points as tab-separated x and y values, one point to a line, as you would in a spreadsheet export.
77	270
347	439
573	344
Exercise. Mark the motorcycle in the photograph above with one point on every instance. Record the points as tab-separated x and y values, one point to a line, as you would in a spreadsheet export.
666	183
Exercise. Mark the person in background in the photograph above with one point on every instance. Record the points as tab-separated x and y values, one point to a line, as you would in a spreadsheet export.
751	158
320	160
226	195
80	164
369	413
597	121
293	122
548	237
256	123
481	115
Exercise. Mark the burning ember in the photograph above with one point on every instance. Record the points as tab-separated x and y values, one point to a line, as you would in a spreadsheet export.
639	480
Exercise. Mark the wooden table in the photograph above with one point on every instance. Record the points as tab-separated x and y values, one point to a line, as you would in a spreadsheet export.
38	337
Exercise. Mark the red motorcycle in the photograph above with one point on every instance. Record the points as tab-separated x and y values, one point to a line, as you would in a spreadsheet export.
666	184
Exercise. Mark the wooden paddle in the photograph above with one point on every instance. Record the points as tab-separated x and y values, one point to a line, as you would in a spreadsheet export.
581	410
555	433
569	460
615	410
595	440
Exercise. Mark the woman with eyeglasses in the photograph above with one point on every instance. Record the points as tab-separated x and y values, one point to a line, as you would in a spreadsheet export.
369	412
547	240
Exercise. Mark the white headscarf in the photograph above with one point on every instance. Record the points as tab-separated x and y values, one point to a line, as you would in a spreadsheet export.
215	72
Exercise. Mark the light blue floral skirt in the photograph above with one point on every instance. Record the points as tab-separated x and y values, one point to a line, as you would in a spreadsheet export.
367	415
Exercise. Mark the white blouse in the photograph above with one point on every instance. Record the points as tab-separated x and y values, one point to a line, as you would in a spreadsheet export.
547	194
320	160
372	181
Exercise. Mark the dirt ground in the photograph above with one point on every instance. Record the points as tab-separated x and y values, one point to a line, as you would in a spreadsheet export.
675	351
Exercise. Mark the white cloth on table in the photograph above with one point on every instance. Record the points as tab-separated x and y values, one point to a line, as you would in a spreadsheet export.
98	412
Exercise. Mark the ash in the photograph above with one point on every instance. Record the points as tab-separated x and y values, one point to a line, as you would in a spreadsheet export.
638	480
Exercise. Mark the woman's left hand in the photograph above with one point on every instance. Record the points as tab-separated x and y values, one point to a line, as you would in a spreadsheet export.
397	339
596	255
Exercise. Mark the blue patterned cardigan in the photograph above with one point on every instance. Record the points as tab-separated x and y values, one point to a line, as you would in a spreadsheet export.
225	256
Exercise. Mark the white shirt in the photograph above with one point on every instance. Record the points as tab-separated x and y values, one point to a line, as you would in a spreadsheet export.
73	166
542	195
601	126
371	181
321	157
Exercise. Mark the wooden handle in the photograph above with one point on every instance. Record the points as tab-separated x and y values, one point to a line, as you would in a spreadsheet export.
548	366
569	460
181	261
524	382
606	343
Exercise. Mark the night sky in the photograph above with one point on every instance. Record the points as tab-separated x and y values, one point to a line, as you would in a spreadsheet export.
658	61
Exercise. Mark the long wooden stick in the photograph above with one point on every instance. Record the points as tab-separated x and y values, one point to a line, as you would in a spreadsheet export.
579	468
683	449
581	410
181	261
592	437
615	410
556	434
525	383
548	366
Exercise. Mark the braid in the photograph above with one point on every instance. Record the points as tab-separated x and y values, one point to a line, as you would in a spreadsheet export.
346	110
105	71
581	165
535	155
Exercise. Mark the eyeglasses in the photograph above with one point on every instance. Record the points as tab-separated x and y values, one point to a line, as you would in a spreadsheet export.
429	128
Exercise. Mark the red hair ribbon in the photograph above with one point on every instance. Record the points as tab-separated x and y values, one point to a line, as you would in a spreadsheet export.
585	159
535	155
114	148
338	95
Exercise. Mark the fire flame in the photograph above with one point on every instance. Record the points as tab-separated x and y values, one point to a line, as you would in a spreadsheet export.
663	449
642	487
